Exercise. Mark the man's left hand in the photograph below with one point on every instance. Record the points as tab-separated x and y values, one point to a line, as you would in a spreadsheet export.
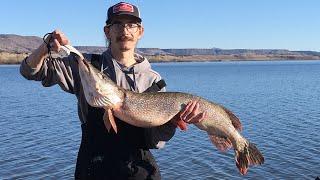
189	115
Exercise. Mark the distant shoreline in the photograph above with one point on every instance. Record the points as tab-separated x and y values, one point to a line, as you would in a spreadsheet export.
218	58
14	48
16	58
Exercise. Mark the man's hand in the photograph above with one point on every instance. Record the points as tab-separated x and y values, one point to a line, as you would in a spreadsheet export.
189	115
36	58
57	39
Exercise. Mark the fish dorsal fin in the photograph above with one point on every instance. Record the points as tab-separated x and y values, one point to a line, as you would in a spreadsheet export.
109	121
234	119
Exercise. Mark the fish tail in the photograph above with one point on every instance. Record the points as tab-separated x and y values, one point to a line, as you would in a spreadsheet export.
250	155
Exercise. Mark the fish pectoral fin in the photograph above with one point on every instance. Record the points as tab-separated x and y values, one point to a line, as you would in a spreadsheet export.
222	143
109	121
106	121
112	120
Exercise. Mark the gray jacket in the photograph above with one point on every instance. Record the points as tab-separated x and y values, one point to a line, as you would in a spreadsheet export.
64	72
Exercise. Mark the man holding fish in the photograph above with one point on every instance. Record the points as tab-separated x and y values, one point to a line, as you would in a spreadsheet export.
114	154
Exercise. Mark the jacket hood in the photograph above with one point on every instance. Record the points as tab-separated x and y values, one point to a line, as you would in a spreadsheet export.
142	64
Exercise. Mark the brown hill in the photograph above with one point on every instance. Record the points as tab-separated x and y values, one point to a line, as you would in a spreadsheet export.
13	48
18	44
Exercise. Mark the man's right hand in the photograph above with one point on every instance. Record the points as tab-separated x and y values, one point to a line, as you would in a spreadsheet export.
36	58
57	39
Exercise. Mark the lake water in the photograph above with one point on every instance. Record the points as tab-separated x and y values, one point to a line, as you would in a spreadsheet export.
278	104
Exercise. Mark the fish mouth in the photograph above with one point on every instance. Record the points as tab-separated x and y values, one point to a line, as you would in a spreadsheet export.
91	80
70	49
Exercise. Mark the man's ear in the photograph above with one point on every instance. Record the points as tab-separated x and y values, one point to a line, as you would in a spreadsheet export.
107	31
141	32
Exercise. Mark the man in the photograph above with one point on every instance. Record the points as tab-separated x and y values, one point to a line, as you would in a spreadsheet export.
103	155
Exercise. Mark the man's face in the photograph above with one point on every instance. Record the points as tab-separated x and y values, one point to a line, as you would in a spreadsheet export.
124	33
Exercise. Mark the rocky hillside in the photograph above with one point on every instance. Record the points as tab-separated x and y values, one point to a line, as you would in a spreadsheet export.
13	48
18	44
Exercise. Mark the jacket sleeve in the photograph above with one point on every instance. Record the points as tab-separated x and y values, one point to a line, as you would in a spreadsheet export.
156	137
61	71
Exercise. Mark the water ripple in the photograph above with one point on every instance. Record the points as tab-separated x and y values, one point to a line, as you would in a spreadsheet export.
277	102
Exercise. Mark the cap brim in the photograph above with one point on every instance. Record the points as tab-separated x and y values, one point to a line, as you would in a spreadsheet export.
125	14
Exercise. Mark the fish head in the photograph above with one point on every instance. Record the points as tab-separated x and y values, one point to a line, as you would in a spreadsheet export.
98	88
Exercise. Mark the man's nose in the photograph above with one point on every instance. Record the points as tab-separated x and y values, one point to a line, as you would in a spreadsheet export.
122	29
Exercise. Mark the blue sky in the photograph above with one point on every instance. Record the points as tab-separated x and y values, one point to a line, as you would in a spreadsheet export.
227	24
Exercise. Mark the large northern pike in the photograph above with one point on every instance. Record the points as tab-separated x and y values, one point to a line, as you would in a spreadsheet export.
155	109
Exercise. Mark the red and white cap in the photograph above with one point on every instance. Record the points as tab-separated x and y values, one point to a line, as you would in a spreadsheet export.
123	8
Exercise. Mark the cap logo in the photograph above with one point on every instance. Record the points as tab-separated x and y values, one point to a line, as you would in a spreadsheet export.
123	7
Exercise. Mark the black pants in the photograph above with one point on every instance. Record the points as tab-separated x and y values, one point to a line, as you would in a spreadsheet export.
140	165
109	155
